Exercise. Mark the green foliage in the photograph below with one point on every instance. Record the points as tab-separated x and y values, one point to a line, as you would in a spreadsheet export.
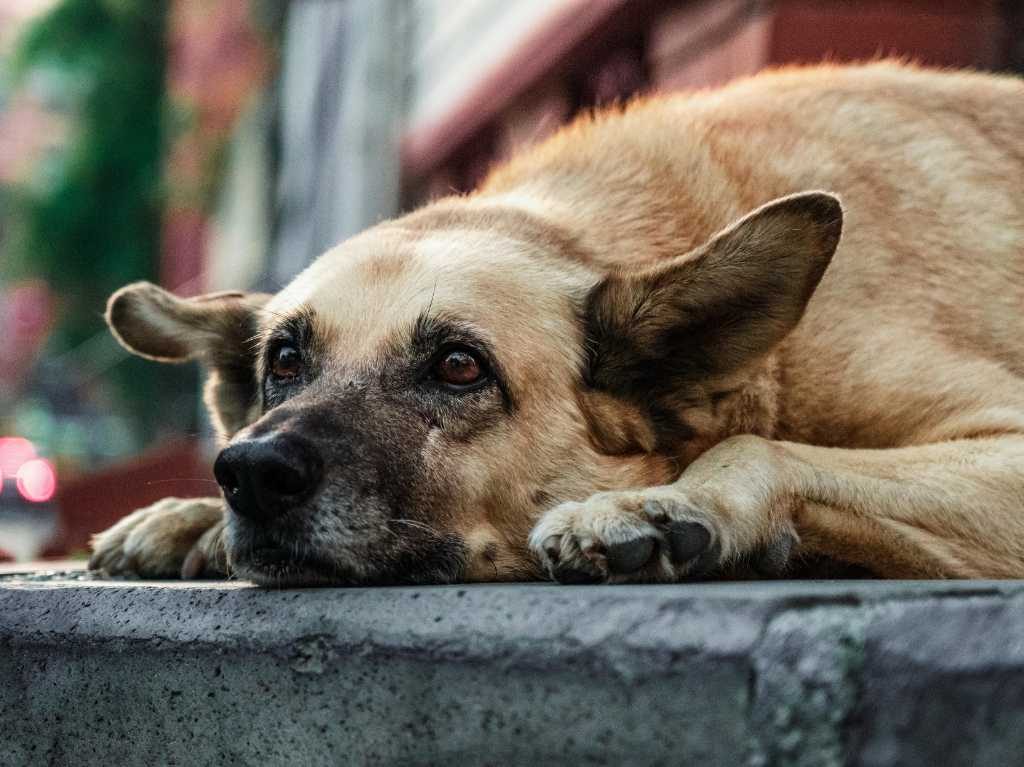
91	222
95	224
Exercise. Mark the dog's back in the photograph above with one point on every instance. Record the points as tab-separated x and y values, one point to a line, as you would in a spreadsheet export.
929	275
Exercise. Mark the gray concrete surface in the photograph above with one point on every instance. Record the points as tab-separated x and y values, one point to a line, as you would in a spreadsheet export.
858	673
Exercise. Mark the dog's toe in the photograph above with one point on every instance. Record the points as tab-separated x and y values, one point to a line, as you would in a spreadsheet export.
570	563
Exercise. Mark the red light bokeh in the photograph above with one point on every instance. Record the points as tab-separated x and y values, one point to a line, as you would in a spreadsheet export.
37	481
14	451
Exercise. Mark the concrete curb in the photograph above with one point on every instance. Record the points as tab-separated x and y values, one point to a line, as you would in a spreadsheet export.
786	673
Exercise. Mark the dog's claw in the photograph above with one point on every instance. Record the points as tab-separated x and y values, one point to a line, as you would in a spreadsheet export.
656	511
553	548
572	576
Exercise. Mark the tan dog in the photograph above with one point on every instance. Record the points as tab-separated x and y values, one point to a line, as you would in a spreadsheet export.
640	352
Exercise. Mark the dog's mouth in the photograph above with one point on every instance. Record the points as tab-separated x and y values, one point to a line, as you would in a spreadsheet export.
292	557
280	567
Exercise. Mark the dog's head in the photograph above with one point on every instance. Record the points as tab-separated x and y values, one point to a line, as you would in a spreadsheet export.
409	405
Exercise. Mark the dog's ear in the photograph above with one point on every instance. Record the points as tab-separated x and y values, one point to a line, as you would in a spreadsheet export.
215	329
158	325
716	309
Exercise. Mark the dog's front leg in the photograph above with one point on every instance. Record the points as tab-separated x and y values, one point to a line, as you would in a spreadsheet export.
175	537
953	509
945	510
733	505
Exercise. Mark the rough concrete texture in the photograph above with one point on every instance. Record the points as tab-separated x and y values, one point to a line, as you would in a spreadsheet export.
840	673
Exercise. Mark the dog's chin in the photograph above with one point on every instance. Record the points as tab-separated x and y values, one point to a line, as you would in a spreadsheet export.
278	568
269	560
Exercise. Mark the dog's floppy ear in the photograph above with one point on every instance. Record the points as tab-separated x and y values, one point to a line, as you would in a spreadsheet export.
716	309
216	329
158	325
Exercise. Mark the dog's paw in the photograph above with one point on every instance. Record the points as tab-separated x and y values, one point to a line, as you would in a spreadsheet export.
173	538
649	535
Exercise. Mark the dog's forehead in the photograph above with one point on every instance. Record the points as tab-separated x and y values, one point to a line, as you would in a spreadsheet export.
372	289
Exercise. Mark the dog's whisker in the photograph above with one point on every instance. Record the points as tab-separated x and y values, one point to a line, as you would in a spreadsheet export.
417	524
271	312
183	479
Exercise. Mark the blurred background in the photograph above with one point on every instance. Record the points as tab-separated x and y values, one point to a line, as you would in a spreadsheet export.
214	144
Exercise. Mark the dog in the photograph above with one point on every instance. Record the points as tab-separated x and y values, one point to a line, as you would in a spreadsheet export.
746	332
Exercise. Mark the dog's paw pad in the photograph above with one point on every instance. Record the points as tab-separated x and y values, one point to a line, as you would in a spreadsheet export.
687	540
692	546
706	562
629	556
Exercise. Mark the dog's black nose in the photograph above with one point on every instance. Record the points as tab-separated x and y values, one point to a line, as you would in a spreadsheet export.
263	477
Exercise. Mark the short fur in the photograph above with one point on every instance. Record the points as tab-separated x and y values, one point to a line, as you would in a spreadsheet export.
700	367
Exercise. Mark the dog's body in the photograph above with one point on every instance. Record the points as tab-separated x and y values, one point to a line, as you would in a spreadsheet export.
663	396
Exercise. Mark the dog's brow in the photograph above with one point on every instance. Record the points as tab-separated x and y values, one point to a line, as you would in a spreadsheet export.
430	330
299	326
294	324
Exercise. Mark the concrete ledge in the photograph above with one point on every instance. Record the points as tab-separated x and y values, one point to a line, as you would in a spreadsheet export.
865	673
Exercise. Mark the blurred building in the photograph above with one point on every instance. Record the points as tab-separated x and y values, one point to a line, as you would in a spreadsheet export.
382	105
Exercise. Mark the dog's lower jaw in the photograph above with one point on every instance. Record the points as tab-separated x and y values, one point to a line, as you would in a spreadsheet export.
286	576
276	570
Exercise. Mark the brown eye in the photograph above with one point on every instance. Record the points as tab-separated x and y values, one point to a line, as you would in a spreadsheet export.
286	362
459	368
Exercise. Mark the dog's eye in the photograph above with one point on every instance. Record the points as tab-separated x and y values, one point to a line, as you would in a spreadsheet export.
459	369
285	362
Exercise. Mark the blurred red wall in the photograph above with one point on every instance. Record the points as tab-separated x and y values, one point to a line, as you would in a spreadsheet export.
95	501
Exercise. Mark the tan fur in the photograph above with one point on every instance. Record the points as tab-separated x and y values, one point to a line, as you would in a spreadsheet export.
881	423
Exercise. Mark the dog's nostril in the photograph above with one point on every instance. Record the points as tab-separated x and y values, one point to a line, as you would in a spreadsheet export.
225	474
